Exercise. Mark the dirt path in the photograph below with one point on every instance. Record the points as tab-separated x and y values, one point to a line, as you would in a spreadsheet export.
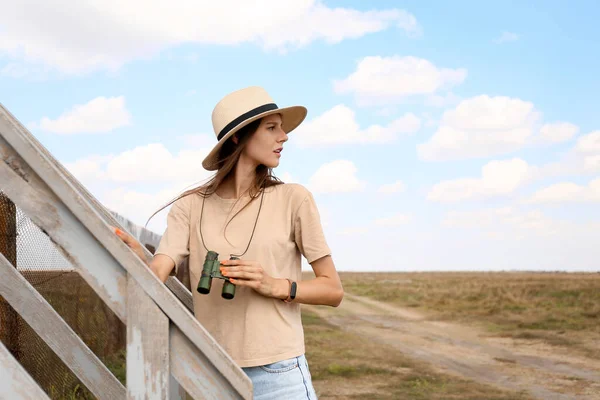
545	372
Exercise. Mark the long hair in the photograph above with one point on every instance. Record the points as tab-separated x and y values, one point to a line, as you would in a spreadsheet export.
229	155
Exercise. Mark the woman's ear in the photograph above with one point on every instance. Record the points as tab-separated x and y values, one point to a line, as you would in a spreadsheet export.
234	138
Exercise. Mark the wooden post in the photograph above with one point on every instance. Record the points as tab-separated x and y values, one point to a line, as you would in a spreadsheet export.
9	322
148	369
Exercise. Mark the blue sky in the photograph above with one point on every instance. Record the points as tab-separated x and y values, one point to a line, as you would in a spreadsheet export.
440	135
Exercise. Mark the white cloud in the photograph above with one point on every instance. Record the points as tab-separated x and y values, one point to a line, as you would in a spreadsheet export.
337	176
481	126
485	126
110	33
395	187
564	192
385	112
497	178
287	177
481	218
394	220
506	222
445	100
356	230
585	157
507	37
582	159
589	143
154	163
202	140
99	115
149	163
380	80
338	126
88	169
558	132
139	206
152	174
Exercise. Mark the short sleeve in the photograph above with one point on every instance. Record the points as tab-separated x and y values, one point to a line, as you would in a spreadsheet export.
308	230
174	242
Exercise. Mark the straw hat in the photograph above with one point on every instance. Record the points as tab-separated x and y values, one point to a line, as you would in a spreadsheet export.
241	107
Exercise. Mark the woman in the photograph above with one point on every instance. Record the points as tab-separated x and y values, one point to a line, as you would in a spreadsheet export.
245	212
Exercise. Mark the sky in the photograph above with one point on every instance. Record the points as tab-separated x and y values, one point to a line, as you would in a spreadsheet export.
458	135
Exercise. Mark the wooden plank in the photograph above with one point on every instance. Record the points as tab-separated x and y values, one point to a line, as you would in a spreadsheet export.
21	141
147	346
181	292
55	332
16	383
195	372
101	271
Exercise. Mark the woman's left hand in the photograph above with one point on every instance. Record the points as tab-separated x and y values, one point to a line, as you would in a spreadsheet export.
251	274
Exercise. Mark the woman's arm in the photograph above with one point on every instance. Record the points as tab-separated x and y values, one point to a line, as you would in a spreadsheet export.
162	266
325	289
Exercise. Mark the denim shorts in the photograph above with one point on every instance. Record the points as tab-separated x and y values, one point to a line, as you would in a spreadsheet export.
287	379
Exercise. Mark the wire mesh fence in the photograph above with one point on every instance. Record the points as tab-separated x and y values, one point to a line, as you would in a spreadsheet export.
44	267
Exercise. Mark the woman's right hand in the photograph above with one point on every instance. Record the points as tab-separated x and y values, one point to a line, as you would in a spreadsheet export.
132	243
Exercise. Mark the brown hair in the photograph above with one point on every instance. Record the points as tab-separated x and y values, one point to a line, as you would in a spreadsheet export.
229	155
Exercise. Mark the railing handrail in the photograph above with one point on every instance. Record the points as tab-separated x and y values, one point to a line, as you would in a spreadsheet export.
32	170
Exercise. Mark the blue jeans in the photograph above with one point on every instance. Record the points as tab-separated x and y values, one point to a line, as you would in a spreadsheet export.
287	379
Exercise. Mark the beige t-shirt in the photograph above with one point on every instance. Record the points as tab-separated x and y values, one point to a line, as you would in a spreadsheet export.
253	329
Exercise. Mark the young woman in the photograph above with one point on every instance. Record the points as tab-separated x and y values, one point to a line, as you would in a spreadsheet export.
244	212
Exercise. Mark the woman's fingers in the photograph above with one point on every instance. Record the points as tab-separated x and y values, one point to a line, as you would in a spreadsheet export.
241	275
124	236
131	242
127	238
230	263
245	282
244	268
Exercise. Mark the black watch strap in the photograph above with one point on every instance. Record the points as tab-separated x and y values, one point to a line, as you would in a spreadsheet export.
292	294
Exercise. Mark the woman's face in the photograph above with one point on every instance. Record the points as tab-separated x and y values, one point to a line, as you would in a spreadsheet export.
265	145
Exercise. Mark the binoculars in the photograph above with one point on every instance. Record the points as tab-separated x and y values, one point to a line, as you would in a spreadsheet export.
212	269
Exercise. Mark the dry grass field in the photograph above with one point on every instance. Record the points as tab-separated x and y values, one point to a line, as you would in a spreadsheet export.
346	366
523	322
558	308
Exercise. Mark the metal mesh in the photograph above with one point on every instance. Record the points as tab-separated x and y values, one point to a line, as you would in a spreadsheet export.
38	260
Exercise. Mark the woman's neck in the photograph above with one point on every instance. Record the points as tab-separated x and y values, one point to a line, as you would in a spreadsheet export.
239	182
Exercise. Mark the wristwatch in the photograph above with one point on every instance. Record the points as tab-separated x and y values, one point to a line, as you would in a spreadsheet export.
292	294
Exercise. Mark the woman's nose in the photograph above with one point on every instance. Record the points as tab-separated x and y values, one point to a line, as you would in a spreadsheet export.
284	138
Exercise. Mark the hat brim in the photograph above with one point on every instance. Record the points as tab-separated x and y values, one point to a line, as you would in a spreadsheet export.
291	117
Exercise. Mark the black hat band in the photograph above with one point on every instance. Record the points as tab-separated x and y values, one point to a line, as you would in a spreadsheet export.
247	115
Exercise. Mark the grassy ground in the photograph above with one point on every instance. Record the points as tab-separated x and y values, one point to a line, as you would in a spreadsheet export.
558	308
561	309
345	366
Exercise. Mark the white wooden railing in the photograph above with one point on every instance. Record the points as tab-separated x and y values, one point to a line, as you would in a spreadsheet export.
167	348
